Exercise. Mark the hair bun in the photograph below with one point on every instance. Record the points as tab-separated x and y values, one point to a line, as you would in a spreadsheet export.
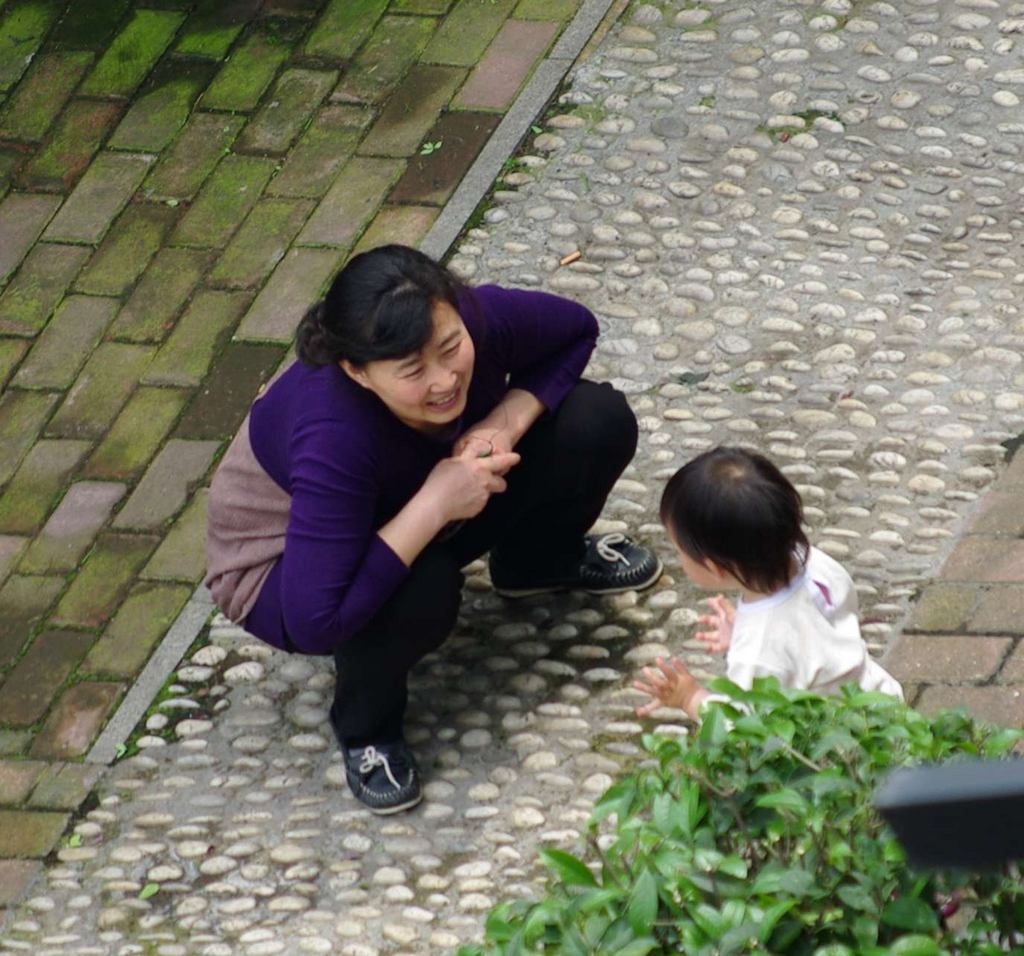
312	345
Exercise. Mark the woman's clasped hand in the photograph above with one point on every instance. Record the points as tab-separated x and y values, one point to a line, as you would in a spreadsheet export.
462	485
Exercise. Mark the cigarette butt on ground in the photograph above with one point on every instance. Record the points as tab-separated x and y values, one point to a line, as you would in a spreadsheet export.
571	258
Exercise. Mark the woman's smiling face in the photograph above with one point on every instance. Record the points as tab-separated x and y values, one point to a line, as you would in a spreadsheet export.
426	389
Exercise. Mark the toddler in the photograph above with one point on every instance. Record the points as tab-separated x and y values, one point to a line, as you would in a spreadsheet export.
736	522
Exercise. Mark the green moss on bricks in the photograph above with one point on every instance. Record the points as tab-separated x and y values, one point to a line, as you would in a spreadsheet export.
160	294
546	9
213	27
127	249
261	242
22	415
249	71
343	27
41	95
101	390
28	302
11	352
226	198
132	54
72	143
467	31
136	629
420	6
200	332
89	26
137	433
328	142
163	107
197	150
22	28
395	44
102	580
28	499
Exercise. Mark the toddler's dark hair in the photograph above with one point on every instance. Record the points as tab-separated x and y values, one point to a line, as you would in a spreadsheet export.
737	509
379	306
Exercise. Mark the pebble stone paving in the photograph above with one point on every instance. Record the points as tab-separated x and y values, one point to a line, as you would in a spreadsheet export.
800	225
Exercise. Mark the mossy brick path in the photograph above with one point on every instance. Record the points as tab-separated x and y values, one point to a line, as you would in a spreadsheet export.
964	643
180	180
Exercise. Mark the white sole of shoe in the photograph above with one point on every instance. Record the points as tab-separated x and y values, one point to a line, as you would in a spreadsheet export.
387	811
530	592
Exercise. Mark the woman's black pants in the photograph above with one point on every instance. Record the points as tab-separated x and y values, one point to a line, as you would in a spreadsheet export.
570	461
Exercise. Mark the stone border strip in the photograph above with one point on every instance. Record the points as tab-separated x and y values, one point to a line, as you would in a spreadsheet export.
442	235
179	638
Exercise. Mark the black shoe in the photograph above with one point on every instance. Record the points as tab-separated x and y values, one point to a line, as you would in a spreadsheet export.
384	777
611	564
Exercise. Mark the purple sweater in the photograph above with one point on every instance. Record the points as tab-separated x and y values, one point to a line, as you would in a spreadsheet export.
350	465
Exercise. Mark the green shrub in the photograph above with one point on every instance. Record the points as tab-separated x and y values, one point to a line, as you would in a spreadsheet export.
757	835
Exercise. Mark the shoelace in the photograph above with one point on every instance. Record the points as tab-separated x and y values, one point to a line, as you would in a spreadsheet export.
606	550
372	758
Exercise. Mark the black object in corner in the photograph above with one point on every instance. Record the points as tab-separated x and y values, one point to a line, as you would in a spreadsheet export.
966	814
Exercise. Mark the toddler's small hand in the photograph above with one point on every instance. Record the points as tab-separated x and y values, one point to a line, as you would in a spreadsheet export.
674	686
720	621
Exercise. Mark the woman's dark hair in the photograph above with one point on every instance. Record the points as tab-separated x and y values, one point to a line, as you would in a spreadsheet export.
378	307
737	509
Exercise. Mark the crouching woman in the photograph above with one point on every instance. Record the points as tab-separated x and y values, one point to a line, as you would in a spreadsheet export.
424	425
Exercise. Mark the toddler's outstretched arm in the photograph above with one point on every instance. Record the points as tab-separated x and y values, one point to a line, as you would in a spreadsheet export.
671	685
719	637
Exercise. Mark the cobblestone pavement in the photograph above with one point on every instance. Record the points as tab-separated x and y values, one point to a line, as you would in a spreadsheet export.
800	225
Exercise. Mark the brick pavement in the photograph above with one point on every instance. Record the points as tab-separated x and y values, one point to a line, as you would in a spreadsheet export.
962	646
178	181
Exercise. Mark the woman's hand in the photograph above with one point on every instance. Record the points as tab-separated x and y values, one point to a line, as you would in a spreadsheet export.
671	685
461	486
720	620
484	442
501	430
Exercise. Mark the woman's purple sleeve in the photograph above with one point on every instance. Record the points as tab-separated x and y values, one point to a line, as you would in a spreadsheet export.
336	570
544	340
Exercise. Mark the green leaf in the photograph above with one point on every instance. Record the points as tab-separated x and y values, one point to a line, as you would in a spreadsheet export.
75	840
737	939
714	728
497	926
710	920
618	799
150	889
537	921
595	927
573	943
599	898
572	871
662	815
733	866
1001	741
642	907
795	882
771	917
909	912
639	947
914	945
857	898
783	800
